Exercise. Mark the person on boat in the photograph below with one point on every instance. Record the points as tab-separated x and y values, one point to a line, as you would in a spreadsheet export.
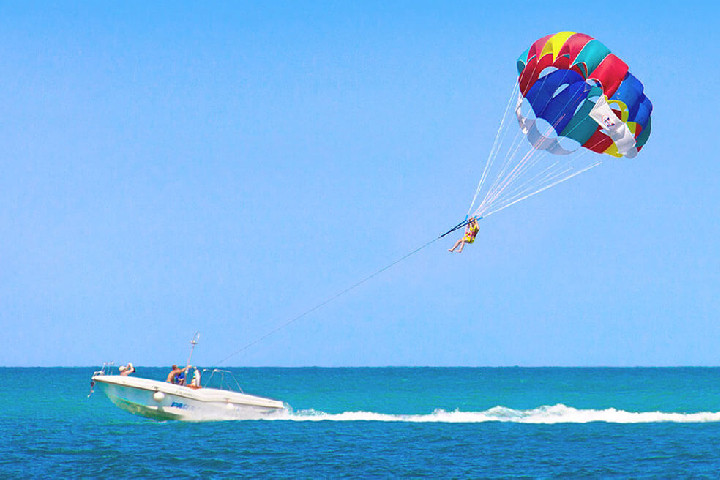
195	383
177	375
471	231
126	370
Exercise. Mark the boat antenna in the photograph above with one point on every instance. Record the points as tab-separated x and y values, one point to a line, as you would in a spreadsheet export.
193	342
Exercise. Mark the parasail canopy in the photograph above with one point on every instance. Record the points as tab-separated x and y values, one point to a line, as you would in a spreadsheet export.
585	93
572	96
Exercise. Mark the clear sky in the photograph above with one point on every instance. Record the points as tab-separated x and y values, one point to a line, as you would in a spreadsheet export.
170	167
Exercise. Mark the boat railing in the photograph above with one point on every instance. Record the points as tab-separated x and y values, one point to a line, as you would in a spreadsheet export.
105	369
222	380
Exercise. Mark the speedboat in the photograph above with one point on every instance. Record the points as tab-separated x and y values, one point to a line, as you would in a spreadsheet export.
167	401
176	401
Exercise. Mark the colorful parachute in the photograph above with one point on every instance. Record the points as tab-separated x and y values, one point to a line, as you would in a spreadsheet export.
575	92
571	92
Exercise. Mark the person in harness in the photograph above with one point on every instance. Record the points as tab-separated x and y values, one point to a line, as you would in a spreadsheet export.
471	231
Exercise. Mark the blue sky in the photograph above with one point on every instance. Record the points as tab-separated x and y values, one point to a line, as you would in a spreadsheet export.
223	167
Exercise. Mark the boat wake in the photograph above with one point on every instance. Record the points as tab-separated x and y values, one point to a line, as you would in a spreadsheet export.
542	415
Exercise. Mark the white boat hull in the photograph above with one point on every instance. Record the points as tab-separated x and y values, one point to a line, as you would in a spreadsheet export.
166	401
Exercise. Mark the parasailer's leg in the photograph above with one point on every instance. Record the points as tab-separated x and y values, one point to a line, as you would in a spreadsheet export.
460	243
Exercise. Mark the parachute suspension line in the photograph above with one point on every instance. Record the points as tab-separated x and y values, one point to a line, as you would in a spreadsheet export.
341	293
501	180
520	179
518	170
529	160
516	143
551	178
553	175
539	178
511	151
545	177
495	147
546	187
498	142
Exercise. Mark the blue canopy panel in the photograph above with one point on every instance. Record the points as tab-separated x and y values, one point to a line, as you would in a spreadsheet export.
630	93
556	96
642	117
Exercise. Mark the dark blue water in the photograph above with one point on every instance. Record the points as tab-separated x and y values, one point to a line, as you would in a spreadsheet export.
380	422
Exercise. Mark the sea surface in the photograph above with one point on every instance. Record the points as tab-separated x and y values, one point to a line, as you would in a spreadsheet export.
379	423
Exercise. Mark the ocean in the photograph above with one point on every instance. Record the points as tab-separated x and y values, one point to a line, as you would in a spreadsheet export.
379	423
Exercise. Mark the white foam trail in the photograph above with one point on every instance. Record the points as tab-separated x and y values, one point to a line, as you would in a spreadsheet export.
543	415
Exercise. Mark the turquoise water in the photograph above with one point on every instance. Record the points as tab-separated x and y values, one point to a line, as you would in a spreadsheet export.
380	423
